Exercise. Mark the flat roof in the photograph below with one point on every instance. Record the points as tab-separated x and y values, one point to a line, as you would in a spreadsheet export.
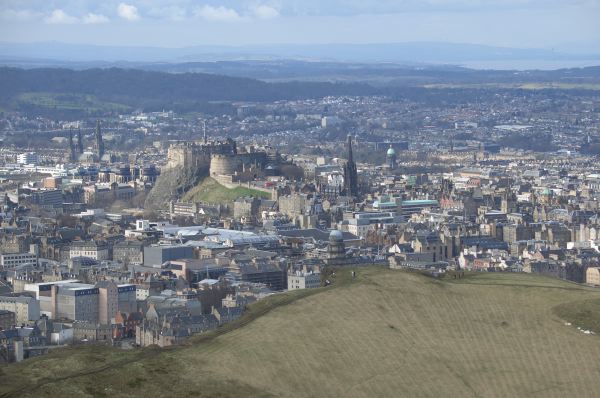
63	282
420	202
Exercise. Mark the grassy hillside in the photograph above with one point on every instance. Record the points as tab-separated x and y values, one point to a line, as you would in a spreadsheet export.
386	333
211	191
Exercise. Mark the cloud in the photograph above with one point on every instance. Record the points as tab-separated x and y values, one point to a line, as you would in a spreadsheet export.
220	13
19	15
263	11
92	18
128	12
173	13
58	16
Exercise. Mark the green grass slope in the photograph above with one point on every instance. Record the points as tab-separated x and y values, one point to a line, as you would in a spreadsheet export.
209	190
386	333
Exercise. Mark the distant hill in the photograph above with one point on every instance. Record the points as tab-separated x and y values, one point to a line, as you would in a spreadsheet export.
384	334
155	90
62	93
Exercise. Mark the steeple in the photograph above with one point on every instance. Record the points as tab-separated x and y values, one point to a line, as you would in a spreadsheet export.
99	141
350	174
349	143
79	142
72	152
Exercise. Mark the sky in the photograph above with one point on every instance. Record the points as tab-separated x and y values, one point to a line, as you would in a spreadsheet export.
559	24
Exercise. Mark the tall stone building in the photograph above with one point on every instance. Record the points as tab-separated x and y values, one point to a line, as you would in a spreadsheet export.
350	173
73	156
79	142
108	301
508	203
247	207
99	141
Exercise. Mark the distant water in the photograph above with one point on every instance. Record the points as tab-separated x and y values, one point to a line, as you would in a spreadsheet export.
530	64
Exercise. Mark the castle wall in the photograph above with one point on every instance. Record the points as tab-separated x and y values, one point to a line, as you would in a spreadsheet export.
188	155
220	157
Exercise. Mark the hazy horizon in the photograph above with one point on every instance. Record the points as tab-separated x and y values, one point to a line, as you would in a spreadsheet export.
568	26
409	54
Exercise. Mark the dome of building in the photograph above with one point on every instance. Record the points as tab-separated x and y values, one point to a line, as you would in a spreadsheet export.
336	235
391	152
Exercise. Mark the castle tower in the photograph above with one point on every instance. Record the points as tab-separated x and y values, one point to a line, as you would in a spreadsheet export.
350	173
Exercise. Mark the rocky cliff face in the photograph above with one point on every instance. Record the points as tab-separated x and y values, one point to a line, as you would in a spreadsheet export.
172	184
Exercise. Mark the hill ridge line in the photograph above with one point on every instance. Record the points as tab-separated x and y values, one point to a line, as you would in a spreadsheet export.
248	317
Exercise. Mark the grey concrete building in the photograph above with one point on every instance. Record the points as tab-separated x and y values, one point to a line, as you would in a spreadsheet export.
126	298
76	301
156	255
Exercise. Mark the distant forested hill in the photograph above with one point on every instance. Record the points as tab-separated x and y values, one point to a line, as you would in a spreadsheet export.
149	90
65	93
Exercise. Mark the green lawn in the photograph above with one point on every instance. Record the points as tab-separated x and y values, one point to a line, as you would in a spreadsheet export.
211	191
582	313
384	334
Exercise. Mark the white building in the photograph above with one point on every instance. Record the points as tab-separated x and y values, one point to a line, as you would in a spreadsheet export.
91	249
27	158
62	336
304	280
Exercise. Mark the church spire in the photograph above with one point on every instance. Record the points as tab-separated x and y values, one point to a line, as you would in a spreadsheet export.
349	143
350	173
99	141
79	141
72	152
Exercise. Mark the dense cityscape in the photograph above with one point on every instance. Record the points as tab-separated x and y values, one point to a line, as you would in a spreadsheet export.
299	198
98	244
